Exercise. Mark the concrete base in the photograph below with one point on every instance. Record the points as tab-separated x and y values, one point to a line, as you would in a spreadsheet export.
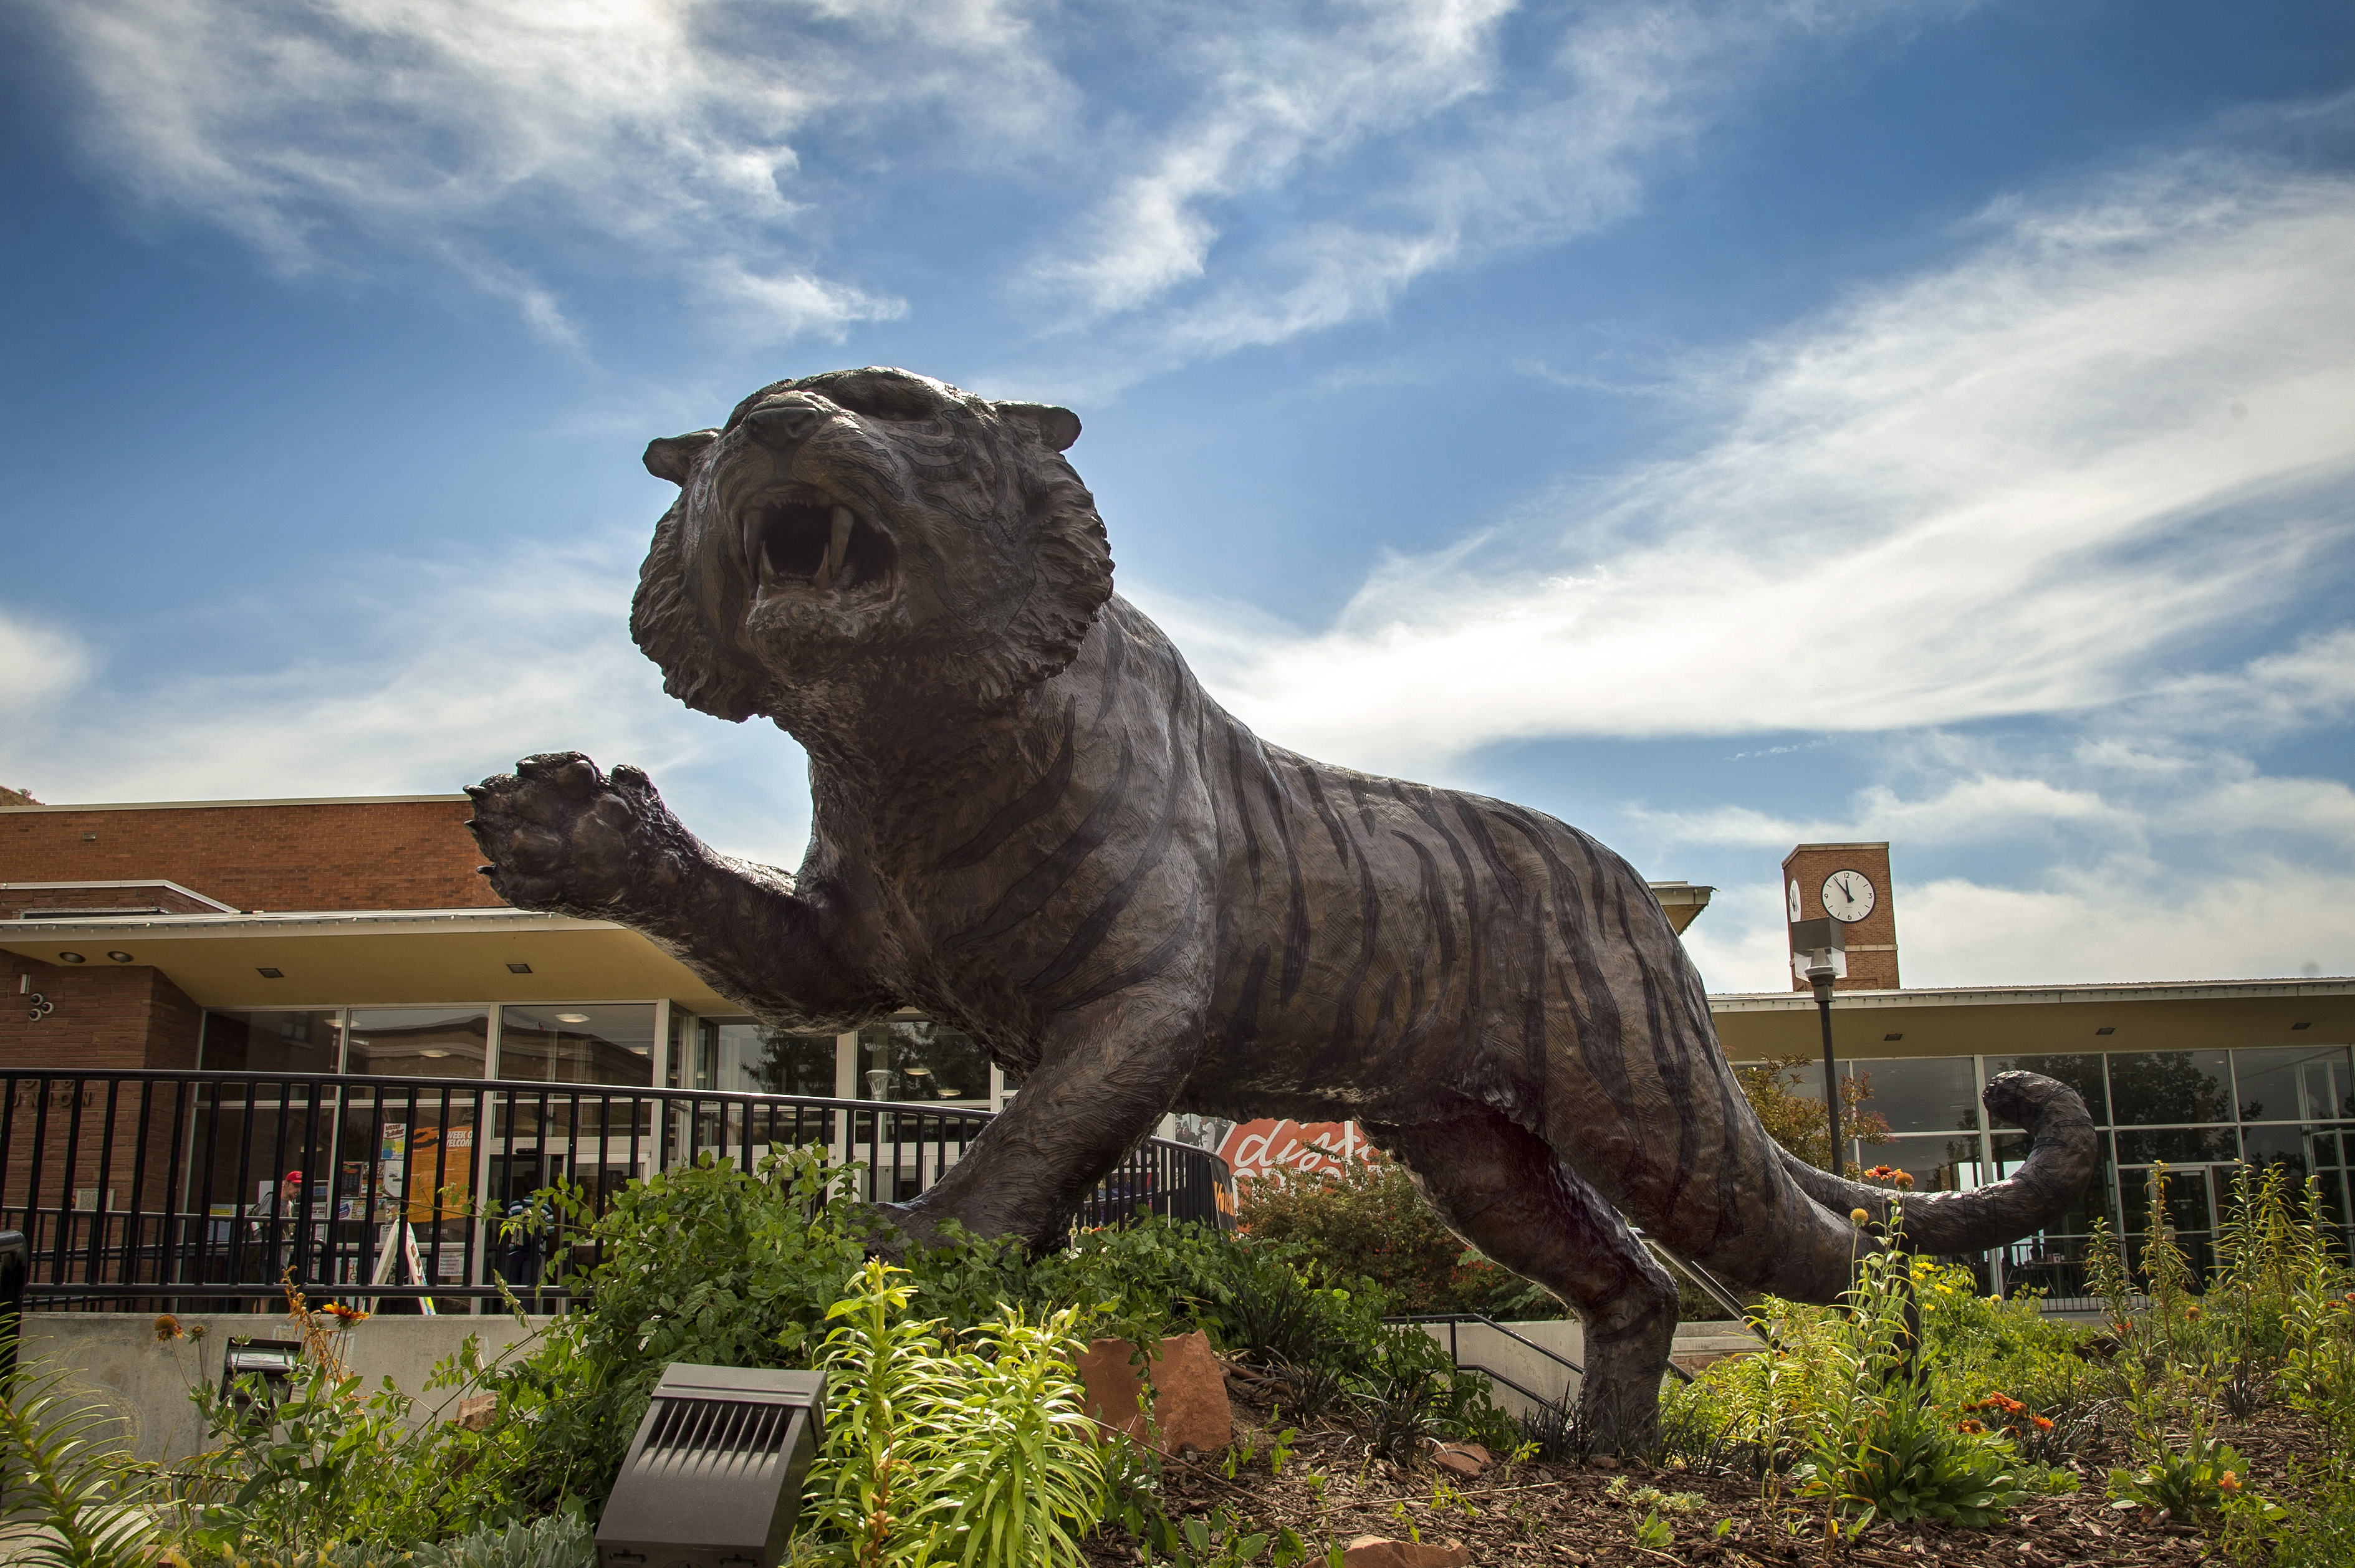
1479	1345
117	1356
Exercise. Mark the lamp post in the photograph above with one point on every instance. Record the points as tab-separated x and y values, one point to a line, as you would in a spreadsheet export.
1820	957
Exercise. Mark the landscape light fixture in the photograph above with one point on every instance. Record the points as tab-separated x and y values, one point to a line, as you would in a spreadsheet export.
1820	957
713	1478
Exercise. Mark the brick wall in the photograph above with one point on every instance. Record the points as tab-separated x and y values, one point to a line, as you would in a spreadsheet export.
1872	941
62	1137
339	855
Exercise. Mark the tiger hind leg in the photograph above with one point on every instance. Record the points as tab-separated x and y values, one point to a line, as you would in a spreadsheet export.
1505	1191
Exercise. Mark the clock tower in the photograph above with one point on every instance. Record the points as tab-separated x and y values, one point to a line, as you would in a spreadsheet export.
1851	884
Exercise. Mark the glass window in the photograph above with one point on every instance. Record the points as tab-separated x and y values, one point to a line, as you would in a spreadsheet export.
916	1059
272	1042
1936	1164
418	1042
591	1043
2159	1088
1921	1094
2082	1073
2179	1146
743	1055
2012	1150
2294	1083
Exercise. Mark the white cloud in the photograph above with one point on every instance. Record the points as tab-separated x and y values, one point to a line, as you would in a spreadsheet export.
1462	147
2006	487
491	134
456	668
37	664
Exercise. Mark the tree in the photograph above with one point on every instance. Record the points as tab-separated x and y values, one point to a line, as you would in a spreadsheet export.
1796	1121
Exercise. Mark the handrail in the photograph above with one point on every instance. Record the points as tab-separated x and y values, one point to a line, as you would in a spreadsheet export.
1452	1318
165	1184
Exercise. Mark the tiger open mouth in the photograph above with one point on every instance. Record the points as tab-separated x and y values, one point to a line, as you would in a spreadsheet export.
804	546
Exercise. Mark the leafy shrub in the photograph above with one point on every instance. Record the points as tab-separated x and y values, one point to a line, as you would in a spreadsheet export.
555	1541
979	1456
58	1476
1367	1221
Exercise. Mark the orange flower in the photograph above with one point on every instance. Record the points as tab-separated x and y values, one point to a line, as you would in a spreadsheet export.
2043	1422
2228	1482
168	1329
345	1315
2192	1311
1971	1426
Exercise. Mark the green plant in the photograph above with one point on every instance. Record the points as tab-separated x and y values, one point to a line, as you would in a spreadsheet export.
2186	1483
1881	1449
1222	1540
59	1473
977	1456
1655	1533
552	1540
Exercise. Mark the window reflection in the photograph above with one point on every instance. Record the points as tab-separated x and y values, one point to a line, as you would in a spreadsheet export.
610	1042
418	1042
742	1055
1921	1094
916	1059
272	1042
2158	1087
2081	1072
2297	1083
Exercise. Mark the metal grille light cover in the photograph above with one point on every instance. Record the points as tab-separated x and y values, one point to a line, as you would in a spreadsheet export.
713	1478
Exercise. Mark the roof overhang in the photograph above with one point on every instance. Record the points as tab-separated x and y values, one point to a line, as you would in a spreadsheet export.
378	958
2038	1021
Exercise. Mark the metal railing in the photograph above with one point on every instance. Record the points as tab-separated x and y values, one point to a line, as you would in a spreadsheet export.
195	1189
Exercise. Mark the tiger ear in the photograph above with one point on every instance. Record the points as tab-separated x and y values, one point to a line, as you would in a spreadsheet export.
1058	428
673	457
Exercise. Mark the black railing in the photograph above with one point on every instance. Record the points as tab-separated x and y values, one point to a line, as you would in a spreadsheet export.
213	1189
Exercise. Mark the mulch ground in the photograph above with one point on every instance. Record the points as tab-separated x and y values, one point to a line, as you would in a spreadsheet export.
1585	1515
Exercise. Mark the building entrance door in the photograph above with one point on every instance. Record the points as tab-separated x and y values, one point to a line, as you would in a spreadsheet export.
2190	1209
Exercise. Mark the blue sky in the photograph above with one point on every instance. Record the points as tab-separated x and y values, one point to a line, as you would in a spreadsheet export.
1717	425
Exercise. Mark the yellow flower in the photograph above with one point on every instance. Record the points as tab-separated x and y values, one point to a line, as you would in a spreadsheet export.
168	1329
1859	1216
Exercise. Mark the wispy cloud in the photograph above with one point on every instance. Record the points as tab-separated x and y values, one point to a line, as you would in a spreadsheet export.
39	663
2009	486
498	137
1407	141
546	665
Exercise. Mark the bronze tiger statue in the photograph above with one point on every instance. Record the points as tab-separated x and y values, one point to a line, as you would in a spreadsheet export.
1032	824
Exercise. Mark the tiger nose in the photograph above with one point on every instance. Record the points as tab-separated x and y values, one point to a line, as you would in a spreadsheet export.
785	418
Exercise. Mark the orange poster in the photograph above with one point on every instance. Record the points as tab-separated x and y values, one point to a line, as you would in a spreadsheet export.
1253	1149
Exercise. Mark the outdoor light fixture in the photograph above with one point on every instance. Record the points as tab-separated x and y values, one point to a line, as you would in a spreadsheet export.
267	973
571	1018
713	1478
518	968
119	957
72	959
1820	957
273	1360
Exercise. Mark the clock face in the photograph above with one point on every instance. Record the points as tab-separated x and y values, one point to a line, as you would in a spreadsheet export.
1794	903
1847	897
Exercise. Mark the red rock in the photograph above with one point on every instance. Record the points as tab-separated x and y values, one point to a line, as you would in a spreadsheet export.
1461	1464
1190	1409
1479	1456
1380	1552
1189	1403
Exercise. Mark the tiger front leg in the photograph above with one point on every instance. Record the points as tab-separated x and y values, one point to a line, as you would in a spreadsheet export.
1106	1075
562	837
